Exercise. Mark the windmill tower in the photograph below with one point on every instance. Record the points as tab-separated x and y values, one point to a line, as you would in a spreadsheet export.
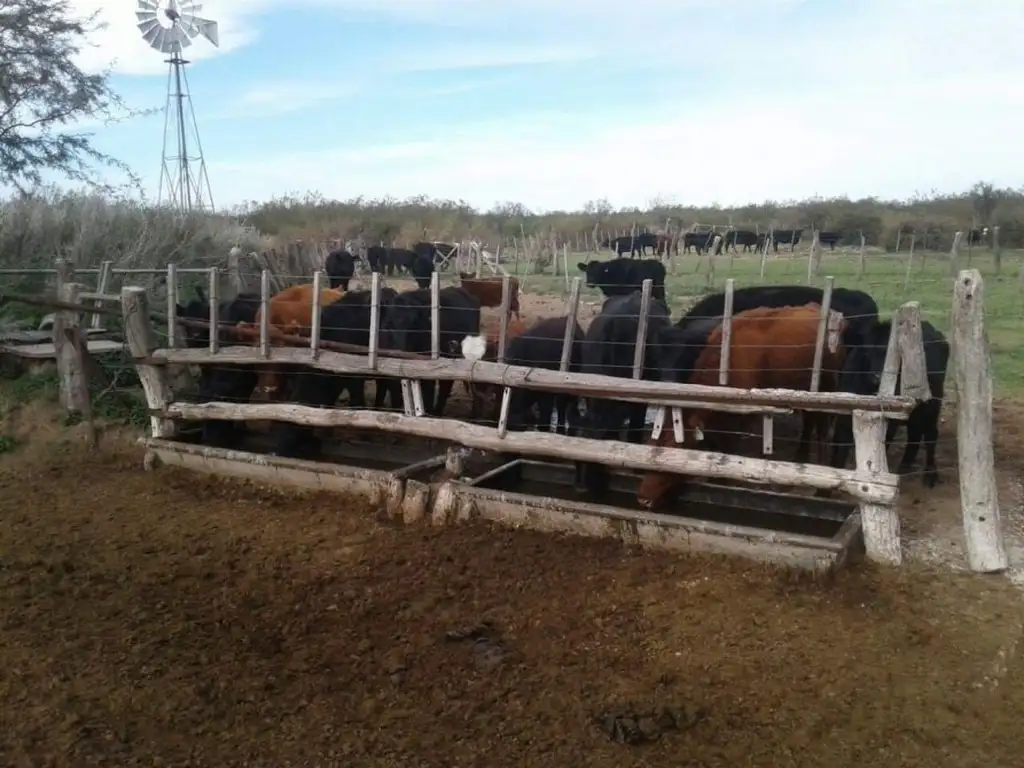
169	28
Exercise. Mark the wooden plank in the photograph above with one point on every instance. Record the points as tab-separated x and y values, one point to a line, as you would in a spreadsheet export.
47	351
878	489
502	375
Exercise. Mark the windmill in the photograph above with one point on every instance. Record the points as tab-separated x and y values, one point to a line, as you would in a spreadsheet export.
169	28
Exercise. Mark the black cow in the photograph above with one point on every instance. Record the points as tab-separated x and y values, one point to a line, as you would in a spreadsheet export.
699	241
831	239
632	244
862	373
346	321
340	267
222	382
977	235
421	268
620	277
403	259
379	259
762	238
786	237
858	308
741	237
540	346
407	327
608	349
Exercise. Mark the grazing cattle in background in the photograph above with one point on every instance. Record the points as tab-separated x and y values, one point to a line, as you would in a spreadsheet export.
620	277
830	239
485	347
421	269
346	321
487	291
699	241
977	235
771	347
222	382
862	374
379	259
608	349
340	267
664	245
741	237
631	244
762	238
407	327
857	307
786	237
404	260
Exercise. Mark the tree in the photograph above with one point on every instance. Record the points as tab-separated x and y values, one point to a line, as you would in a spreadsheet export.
44	94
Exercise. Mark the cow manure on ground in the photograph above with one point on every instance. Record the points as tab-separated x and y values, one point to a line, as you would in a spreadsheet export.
635	725
488	649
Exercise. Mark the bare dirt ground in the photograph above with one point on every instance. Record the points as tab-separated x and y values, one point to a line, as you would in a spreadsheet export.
165	619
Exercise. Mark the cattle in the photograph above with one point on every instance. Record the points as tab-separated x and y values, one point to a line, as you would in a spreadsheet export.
761	245
786	237
379	259
540	346
340	267
421	269
291	313
485	347
230	383
620	277
857	307
771	347
699	241
632	244
487	290
405	260
862	374
608	349
425	250
406	326
664	245
977	235
345	321
831	239
741	237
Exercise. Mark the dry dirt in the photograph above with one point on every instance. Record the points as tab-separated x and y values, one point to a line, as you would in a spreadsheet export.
165	619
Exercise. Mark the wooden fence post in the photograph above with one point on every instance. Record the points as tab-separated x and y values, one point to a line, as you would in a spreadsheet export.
979	500
141	341
67	348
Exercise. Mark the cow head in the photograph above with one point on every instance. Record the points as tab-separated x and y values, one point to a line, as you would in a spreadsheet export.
594	272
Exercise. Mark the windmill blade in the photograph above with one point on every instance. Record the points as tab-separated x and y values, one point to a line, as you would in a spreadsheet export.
191	9
145	15
145	27
207	28
149	5
150	34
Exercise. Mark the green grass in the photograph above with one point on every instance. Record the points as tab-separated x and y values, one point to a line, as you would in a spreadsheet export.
884	278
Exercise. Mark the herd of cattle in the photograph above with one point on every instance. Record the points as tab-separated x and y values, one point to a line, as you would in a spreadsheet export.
660	244
773	340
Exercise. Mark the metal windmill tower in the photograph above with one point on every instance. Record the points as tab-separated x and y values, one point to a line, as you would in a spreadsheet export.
169	28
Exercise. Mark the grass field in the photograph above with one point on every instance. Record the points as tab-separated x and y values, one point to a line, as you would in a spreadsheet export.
884	278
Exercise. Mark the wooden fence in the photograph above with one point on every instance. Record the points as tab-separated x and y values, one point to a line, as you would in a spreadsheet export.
870	483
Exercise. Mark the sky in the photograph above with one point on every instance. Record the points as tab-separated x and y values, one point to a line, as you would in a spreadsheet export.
552	103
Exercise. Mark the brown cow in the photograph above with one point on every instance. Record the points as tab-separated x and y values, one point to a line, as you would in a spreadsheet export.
771	347
291	312
485	347
487	291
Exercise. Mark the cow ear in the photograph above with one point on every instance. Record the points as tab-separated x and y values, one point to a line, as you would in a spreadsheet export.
581	266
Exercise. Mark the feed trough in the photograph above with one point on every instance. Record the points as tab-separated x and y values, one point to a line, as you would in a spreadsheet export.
803	531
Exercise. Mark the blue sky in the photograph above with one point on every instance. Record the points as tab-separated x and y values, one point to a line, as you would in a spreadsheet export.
552	103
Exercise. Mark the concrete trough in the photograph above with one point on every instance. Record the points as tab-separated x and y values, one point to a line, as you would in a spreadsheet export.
802	531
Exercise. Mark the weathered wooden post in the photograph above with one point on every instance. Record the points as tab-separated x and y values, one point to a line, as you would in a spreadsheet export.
972	366
141	341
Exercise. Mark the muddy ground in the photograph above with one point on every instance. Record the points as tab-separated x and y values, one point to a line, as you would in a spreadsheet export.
161	618
166	619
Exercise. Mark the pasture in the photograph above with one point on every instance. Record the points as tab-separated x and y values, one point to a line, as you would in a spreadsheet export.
164	617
